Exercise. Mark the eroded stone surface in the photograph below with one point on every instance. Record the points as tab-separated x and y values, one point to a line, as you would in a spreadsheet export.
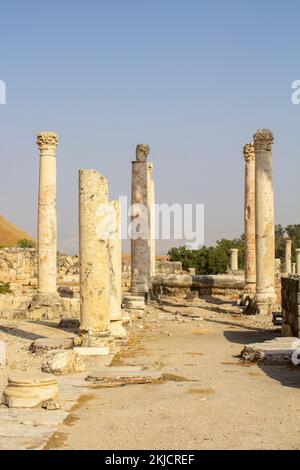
47	344
62	362
123	376
27	390
278	351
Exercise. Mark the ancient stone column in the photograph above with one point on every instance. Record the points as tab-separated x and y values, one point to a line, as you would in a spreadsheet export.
47	219
277	266
115	264
140	253
151	206
249	221
94	257
234	257
293	268
264	220
288	255
298	260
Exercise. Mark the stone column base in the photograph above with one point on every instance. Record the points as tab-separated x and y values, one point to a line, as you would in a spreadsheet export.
266	302
117	330
98	339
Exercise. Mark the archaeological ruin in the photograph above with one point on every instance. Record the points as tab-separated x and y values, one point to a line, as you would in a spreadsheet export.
94	300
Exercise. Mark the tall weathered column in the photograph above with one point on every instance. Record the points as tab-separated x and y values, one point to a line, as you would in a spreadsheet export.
115	272
265	232
151	206
94	257
47	219
249	221
298	260
140	253
115	263
288	255
234	259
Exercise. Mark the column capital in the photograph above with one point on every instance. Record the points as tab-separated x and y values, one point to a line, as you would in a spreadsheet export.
249	153
263	140
297	250
142	152
47	141
288	241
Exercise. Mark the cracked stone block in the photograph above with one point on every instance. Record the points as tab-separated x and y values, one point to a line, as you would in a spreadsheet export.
62	362
278	351
48	344
117	330
123	376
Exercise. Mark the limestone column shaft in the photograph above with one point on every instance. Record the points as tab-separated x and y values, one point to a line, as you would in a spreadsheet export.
151	205
288	256
234	259
249	220
298	260
94	255
115	263
140	253
47	218
294	268
264	219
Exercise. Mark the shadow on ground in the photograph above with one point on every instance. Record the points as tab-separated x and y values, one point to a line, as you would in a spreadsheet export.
288	376
20	333
250	336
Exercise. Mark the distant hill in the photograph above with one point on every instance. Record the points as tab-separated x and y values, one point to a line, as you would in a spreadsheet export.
10	234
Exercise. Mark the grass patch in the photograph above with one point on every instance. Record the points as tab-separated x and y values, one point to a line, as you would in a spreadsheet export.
5	288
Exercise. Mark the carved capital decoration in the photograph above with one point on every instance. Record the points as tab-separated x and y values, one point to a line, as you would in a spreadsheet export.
249	153
263	140
142	152
47	141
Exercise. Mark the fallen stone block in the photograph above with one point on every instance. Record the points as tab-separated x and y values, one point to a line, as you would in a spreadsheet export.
65	291
62	362
48	344
69	324
119	376
117	330
27	390
101	351
131	302
279	351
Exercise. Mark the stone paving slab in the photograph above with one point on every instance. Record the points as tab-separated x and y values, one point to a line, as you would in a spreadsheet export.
32	417
278	351
123	375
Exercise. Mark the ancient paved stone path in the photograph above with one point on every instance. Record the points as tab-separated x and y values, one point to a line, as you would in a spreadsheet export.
208	400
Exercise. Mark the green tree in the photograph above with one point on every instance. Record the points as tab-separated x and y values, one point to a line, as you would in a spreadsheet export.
26	243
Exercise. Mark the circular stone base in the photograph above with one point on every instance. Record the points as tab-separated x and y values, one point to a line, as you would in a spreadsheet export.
27	391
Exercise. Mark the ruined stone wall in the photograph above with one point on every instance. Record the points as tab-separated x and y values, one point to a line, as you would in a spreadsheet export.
290	298
19	266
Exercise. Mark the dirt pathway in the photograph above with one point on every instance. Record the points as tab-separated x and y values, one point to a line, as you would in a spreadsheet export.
210	399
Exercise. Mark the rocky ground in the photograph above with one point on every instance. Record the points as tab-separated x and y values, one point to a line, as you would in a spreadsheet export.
208	398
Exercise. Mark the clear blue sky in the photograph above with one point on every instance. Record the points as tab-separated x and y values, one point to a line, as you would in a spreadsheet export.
193	79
